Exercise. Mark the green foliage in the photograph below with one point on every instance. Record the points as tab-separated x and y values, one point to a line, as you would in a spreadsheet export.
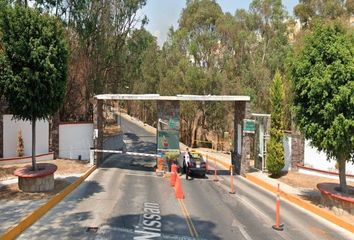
20	146
172	156
275	149
275	157
322	73
277	113
33	64
312	10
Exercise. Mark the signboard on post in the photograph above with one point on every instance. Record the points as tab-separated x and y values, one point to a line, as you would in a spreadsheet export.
168	126
249	126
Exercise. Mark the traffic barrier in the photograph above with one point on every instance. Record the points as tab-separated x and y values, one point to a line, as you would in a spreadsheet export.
173	178
232	189
127	153
278	226
178	188
215	173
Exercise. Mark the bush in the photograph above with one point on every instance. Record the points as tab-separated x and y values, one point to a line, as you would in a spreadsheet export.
20	146
275	157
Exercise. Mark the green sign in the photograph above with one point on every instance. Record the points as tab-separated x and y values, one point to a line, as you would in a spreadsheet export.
249	126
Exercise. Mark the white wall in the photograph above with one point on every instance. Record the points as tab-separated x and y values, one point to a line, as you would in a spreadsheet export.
75	139
315	159
11	128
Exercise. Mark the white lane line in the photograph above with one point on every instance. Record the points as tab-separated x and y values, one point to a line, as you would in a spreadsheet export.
236	223
247	202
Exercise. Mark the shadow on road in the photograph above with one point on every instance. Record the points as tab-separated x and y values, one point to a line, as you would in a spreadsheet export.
173	227
64	221
132	143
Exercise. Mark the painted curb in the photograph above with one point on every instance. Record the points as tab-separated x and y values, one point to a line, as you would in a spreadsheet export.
32	217
303	204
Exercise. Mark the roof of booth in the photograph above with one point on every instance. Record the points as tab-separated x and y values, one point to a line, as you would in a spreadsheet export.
172	98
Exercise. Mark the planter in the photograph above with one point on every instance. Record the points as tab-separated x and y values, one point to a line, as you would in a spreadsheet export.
41	180
335	200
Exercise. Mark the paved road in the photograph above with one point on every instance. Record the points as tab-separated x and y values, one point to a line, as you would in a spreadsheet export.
125	200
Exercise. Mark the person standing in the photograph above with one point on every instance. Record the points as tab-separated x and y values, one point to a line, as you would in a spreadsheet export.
186	162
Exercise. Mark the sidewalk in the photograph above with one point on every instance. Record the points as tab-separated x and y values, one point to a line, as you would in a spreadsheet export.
283	186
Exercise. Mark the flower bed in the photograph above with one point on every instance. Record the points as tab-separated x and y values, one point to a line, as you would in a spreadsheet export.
333	199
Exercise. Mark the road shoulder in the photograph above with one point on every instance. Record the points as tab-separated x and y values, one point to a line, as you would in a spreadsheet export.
32	217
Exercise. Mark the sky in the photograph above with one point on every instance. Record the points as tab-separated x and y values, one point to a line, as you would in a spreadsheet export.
163	14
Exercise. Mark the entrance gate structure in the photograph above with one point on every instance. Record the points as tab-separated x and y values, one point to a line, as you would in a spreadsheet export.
168	109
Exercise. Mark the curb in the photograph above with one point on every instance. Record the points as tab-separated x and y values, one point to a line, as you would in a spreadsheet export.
32	217
303	204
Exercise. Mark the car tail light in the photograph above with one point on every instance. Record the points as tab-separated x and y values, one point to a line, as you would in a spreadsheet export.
203	165
190	164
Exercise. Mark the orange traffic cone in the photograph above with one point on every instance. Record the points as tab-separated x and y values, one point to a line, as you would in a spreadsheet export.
178	188
174	168
278	226
173	178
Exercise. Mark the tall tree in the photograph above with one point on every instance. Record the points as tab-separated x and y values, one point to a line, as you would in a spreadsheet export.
34	64
275	149
322	73
309	10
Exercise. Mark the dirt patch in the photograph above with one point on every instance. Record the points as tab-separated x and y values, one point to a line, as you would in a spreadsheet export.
11	192
297	180
65	167
308	184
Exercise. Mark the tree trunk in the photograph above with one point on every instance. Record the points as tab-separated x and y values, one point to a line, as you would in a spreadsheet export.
342	177
34	165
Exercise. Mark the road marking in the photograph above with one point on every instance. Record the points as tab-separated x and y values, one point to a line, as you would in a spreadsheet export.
108	232
189	221
151	222
236	223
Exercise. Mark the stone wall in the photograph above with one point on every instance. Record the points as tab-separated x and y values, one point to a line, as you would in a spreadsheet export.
39	184
242	161
297	150
297	147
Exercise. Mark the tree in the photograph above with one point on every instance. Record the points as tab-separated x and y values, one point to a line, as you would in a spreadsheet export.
322	74
309	10
275	149
20	146
35	65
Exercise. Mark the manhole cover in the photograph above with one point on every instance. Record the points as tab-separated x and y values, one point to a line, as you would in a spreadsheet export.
92	229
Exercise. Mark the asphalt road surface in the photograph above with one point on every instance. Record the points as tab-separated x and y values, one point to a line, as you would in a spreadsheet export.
125	200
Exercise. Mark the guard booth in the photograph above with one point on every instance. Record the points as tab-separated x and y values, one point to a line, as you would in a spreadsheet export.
261	138
168	124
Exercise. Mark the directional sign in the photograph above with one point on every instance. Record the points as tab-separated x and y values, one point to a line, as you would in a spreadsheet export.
249	126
